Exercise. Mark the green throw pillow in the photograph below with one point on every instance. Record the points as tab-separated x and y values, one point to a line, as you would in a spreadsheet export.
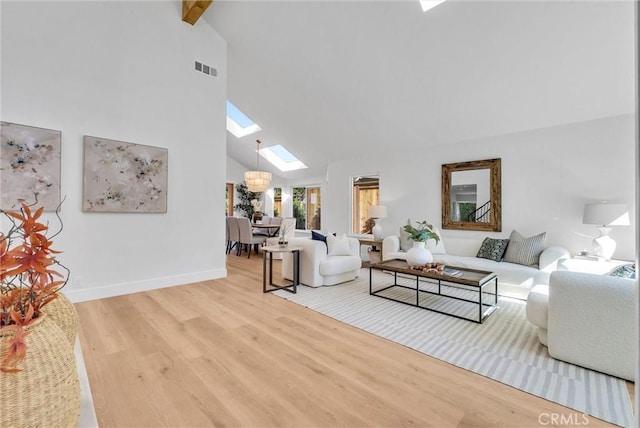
493	249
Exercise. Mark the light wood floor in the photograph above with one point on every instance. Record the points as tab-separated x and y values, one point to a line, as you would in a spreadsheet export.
222	353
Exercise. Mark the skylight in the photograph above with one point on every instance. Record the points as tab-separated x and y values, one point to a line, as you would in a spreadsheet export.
429	4
281	158
239	123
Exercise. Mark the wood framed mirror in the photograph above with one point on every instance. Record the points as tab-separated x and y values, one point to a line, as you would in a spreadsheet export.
471	195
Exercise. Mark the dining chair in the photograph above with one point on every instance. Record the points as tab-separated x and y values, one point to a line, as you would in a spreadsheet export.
234	233
228	243
247	237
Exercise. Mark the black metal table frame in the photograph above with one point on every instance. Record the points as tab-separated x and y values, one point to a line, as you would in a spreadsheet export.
449	283
291	288
269	227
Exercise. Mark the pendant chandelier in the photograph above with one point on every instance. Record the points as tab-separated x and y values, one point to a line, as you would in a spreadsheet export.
257	181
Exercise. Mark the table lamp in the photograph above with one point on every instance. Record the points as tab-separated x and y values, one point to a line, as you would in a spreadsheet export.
375	212
605	215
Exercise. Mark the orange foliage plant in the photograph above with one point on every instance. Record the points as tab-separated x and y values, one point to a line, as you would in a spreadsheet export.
29	279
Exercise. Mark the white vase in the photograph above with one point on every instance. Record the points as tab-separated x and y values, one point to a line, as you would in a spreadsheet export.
419	255
376	230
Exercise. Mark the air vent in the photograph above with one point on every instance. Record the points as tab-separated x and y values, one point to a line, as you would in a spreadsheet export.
206	69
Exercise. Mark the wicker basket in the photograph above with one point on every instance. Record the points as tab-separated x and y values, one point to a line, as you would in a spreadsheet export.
46	393
62	311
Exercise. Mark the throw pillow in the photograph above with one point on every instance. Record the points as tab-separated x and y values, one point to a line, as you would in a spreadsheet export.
524	251
624	271
338	246
493	249
433	247
318	237
405	243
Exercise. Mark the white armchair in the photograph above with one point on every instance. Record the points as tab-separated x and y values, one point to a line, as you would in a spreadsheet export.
588	320
324	264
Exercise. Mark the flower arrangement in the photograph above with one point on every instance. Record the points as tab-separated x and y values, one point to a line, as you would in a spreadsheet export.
28	280
422	233
256	204
282	236
257	210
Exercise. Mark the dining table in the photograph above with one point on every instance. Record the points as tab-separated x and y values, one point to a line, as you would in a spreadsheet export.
272	229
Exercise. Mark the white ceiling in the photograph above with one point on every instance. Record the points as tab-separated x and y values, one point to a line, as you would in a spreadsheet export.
329	80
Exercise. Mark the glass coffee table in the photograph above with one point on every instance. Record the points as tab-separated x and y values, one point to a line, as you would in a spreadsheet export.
464	293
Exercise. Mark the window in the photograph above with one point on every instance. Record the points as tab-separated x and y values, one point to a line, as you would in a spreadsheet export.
366	192
307	202
277	202
281	158
239	123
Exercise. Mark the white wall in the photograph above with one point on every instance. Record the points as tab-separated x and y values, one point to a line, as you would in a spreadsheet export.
235	171
125	71
637	219
547	177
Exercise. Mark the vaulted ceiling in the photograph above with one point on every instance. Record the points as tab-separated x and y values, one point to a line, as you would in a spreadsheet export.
330	80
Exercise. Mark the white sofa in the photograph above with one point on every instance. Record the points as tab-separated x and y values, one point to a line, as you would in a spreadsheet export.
514	280
319	267
587	320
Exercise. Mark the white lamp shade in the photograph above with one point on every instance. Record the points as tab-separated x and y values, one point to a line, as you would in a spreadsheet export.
606	214
377	211
257	181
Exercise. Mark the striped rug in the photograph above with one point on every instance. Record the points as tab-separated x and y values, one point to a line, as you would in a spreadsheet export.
504	348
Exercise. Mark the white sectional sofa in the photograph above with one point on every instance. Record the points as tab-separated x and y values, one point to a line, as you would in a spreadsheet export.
588	320
322	264
514	280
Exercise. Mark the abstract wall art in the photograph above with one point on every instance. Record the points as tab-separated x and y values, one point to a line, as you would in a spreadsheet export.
124	177
29	166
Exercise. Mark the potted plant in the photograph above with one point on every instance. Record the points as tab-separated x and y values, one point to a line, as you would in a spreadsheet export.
245	196
422	233
282	238
33	346
419	255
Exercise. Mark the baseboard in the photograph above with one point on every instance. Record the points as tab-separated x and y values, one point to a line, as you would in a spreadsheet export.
112	290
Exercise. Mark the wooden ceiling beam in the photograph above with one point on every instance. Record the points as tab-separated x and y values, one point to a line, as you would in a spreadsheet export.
192	10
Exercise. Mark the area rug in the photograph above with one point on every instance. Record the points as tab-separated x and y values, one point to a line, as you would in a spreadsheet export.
504	348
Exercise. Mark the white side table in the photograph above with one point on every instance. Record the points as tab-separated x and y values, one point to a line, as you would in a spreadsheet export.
589	265
268	254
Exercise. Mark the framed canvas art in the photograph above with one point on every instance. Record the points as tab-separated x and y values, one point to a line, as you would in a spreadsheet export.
124	177
29	166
